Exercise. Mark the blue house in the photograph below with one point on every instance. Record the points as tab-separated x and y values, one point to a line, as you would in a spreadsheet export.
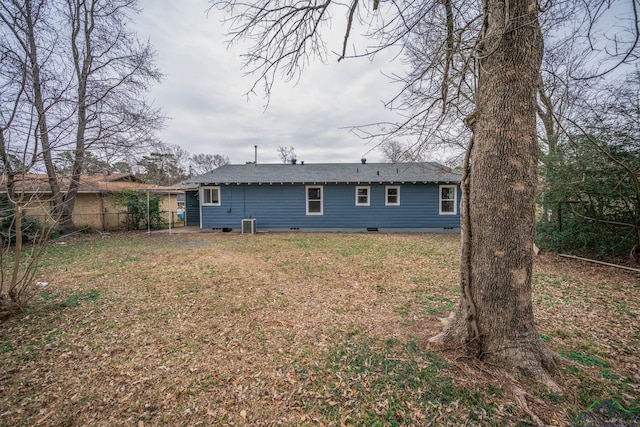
328	197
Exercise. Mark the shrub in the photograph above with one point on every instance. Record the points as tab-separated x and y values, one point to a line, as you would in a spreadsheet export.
140	207
590	197
30	227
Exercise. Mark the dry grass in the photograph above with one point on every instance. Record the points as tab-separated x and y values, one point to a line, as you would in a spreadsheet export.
292	329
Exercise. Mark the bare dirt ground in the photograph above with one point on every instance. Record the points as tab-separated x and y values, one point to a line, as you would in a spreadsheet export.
295	329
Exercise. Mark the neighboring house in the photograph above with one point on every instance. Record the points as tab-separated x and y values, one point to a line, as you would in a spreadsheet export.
337	196
94	207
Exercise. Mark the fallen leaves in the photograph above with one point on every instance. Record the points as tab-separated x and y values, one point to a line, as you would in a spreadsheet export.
215	328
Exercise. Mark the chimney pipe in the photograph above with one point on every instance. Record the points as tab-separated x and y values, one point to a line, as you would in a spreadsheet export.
255	161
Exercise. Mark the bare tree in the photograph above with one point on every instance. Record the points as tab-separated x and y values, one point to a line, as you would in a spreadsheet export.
18	154
112	70
91	164
438	91
203	163
563	85
396	152
487	58
87	74
287	154
166	165
32	43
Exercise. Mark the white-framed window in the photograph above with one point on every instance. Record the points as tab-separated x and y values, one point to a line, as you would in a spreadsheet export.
210	196
448	199
314	199
362	196
392	195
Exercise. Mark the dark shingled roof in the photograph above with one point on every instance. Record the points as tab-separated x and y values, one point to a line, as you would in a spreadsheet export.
310	173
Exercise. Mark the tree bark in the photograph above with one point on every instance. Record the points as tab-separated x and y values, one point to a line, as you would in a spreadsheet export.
495	316
31	49
82	25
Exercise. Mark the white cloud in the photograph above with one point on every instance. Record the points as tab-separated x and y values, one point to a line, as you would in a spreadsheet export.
203	93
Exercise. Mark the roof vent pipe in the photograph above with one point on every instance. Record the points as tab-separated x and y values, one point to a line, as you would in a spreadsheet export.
363	160
255	162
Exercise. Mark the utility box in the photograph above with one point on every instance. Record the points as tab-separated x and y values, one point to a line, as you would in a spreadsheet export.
249	226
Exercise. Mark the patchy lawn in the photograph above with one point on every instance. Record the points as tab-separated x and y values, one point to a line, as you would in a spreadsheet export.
295	329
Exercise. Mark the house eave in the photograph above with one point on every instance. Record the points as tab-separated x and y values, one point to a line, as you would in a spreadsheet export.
383	182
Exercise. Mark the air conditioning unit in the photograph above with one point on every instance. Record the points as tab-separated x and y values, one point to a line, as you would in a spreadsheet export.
249	226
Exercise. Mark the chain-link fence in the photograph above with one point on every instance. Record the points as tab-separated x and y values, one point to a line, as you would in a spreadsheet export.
113	221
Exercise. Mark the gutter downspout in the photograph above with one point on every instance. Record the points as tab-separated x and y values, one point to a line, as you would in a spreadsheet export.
199	204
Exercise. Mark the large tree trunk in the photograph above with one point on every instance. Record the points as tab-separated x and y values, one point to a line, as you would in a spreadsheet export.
82	25
495	315
31	48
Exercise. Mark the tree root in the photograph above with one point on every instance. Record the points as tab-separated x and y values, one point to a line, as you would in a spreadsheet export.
453	327
509	366
8	309
521	399
535	360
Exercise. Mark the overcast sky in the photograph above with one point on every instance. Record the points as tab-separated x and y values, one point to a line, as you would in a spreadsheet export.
203	93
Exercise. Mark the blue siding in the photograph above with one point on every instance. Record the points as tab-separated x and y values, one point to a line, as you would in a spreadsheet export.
282	207
192	208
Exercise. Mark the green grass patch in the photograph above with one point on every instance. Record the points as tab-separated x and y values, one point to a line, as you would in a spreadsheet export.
59	254
606	373
561	333
6	347
435	304
73	300
547	279
422	282
585	359
607	412
363	381
588	389
402	309
608	387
